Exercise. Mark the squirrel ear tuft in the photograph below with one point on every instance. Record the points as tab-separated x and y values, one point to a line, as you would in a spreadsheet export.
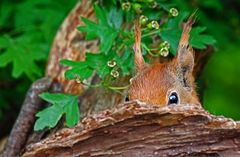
185	59
138	58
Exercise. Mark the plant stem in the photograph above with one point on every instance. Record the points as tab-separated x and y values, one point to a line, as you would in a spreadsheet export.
120	48
150	33
149	50
118	88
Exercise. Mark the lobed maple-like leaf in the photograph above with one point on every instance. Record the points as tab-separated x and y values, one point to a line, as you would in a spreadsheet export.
62	104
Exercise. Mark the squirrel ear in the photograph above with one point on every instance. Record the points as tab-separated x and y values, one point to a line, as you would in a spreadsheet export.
185	59
138	58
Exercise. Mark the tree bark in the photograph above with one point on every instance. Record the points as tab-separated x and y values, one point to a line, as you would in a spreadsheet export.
32	103
70	44
136	129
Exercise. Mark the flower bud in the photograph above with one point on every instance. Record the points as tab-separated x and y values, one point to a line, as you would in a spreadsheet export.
153	4
173	12
78	80
126	6
165	44
111	63
137	7
155	24
114	73
143	19
164	52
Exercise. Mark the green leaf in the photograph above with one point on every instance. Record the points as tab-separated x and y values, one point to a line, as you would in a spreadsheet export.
4	43
57	98
80	69
199	40
99	63
30	27
106	29
115	17
61	104
125	61
172	32
22	57
5	11
166	5
175	22
48	117
101	15
72	112
172	37
90	29
85	69
71	63
84	73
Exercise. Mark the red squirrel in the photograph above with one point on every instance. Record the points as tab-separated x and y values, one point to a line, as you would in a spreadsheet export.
165	83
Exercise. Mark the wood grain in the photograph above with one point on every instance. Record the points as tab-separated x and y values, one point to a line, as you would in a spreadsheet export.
136	129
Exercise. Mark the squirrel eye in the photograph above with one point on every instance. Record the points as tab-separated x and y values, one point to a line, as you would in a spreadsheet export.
126	98
173	98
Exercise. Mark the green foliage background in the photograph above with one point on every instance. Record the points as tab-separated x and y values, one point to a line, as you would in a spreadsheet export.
27	28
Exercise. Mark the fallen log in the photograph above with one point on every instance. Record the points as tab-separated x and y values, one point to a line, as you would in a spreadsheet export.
138	129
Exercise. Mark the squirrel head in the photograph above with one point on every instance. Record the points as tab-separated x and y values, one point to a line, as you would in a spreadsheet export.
165	83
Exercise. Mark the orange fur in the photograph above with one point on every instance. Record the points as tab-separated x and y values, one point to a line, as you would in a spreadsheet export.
139	61
154	83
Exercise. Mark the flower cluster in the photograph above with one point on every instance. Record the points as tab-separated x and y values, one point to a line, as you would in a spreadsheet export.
114	72
164	49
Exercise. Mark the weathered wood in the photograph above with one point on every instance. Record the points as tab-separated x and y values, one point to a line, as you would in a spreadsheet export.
22	126
136	129
70	44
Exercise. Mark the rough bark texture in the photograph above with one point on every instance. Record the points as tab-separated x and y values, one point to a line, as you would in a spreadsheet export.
24	123
136	129
70	44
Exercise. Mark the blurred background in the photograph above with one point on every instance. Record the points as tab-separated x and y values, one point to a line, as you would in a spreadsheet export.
27	29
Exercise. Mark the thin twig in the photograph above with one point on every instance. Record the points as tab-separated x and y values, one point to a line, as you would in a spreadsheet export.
26	117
